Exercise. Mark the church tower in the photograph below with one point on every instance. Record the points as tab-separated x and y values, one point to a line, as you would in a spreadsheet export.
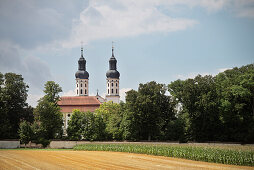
82	77
112	80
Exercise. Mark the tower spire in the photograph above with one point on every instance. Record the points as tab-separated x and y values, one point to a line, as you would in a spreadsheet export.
81	48
113	49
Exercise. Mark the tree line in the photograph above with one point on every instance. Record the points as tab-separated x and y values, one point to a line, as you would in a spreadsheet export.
204	108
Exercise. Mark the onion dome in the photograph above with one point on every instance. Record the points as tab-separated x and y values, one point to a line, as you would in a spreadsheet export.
82	73
112	72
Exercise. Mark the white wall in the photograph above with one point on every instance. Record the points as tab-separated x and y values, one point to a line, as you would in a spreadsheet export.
9	144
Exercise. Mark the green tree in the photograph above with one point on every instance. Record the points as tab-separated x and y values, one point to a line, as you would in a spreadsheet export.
75	124
47	112
86	125
52	91
110	112
151	109
199	100
13	95
5	125
25	132
235	88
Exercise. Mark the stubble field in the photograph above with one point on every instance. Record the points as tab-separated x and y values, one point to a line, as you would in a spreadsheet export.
69	159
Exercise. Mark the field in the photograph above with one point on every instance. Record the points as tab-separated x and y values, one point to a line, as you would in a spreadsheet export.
225	154
69	159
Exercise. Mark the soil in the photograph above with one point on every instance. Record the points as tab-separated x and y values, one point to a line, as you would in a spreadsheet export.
68	159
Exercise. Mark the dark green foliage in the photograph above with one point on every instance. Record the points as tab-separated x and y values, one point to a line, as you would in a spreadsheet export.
13	95
236	93
25	132
50	119
48	116
150	111
207	154
219	108
199	100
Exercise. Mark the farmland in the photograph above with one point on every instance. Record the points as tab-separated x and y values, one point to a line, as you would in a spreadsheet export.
69	159
225	154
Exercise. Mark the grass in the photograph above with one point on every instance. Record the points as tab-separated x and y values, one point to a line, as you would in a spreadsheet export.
233	156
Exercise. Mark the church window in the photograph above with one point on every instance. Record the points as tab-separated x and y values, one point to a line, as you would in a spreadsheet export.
85	91
112	91
81	84
85	85
112	84
108	91
116	84
81	91
77	91
116	91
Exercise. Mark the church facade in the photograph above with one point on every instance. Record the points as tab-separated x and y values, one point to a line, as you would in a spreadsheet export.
82	100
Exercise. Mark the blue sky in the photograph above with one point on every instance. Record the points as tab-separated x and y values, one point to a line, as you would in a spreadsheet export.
161	40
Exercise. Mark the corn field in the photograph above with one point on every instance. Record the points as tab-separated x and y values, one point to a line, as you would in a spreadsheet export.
204	153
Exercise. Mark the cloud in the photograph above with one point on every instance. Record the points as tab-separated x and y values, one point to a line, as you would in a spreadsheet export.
34	71
33	23
122	93
69	93
32	99
244	8
194	74
223	69
122	19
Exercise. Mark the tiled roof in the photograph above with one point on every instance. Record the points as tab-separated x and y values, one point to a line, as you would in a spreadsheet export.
78	101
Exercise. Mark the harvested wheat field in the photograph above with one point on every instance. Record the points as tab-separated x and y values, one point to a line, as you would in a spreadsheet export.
68	159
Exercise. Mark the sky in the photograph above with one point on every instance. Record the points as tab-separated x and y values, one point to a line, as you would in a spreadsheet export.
154	40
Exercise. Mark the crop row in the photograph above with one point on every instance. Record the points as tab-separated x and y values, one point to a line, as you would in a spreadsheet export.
207	154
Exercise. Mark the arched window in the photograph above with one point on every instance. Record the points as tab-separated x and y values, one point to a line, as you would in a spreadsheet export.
85	91
77	84
116	91
108	91
77	91
112	91
85	85
81	84
116	84
108	84
112	84
81	91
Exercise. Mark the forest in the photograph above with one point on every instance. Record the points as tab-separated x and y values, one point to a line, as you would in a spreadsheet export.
205	108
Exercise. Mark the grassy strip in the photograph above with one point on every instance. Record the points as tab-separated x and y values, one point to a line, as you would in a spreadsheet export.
207	154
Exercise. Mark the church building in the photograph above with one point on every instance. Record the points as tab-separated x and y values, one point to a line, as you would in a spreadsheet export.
82	100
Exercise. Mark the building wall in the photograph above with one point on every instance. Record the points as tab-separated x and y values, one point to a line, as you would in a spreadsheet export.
112	86
112	93
82	85
114	99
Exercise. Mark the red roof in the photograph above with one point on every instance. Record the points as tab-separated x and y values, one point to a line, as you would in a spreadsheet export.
83	103
78	100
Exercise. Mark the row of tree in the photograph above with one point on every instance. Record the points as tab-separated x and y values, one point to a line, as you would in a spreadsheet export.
205	108
208	108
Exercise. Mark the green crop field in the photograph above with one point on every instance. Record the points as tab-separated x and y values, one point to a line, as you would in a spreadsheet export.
235	155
